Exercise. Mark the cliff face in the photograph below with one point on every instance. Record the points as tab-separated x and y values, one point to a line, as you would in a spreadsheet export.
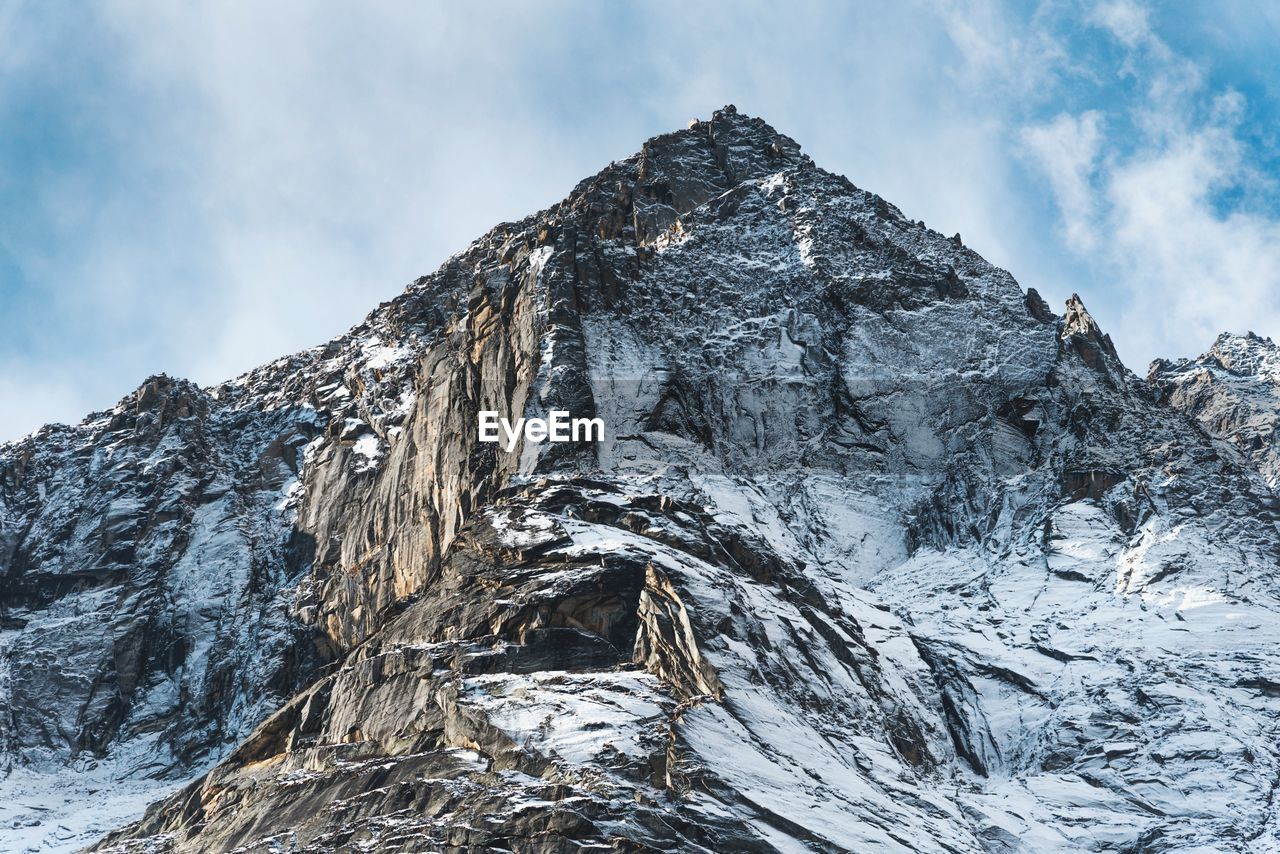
878	553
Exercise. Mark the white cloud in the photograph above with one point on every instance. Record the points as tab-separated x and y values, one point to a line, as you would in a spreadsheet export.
1067	149
1195	270
1127	20
1149	211
283	169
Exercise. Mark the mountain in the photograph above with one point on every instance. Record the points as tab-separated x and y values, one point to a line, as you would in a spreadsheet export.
1233	391
878	553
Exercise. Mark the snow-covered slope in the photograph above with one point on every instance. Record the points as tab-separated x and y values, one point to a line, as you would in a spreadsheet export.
879	553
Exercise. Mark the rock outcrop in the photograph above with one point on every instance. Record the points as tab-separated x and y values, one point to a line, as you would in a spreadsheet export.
1233	392
878	553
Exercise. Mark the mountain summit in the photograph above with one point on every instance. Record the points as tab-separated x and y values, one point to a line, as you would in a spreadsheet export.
878	553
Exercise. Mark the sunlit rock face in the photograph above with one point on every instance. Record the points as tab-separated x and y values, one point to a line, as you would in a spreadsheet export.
878	553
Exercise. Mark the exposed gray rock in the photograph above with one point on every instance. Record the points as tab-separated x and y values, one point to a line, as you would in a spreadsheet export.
878	554
1233	391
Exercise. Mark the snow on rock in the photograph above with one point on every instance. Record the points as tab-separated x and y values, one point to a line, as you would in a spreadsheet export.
878	553
1233	391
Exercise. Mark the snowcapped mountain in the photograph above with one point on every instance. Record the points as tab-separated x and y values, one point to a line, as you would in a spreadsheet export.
1233	391
878	554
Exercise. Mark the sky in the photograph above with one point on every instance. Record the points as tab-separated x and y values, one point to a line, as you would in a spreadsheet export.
197	188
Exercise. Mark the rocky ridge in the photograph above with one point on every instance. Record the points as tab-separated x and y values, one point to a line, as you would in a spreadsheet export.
879	553
1233	391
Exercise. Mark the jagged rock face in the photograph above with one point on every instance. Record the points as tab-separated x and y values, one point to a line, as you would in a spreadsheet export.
564	633
1233	391
144	591
878	553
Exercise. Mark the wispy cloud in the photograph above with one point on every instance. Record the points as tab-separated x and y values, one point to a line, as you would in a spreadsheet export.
1067	149
1205	264
1163	215
1125	19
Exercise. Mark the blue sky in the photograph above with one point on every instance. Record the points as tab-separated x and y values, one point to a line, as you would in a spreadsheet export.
198	188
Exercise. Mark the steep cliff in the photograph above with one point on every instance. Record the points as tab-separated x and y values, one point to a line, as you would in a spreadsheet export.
878	553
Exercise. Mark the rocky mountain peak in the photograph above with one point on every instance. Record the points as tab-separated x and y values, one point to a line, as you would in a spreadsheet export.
1247	354
162	398
1233	392
1038	308
676	172
849	468
1082	335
